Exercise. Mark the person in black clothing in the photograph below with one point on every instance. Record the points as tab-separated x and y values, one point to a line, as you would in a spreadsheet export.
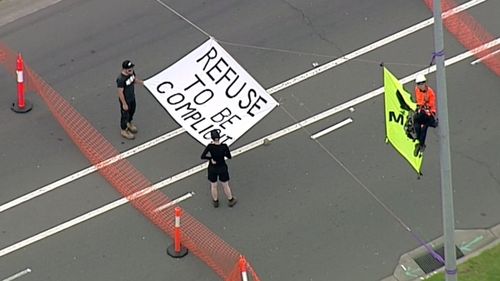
126	95
215	153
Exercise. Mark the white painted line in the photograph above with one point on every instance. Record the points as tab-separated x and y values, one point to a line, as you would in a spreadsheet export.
17	275
61	227
175	201
90	170
485	57
332	128
235	153
370	47
271	91
355	101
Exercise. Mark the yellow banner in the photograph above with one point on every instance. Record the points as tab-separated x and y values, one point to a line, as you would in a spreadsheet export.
398	107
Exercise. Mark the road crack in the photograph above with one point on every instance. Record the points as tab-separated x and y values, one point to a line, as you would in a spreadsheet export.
311	25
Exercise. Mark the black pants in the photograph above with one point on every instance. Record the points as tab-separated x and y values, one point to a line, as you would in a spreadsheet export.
127	116
422	122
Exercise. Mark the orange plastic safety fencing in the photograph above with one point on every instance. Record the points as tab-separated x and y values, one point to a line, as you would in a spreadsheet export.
2	56
470	34
236	273
8	59
127	180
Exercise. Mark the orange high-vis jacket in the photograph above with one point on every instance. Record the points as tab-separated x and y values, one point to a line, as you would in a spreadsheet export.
427	99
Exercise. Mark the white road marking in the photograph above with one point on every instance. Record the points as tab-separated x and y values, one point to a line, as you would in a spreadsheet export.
485	57
17	275
90	170
332	128
235	153
61	227
271	91
175	201
370	47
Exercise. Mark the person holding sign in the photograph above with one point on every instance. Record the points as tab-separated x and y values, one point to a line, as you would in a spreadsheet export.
126	95
215	153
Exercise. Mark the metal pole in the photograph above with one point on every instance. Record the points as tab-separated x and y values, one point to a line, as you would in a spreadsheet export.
444	148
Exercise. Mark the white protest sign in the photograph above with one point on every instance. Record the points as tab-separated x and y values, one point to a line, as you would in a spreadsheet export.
206	90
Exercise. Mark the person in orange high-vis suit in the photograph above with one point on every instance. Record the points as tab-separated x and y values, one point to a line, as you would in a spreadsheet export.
426	111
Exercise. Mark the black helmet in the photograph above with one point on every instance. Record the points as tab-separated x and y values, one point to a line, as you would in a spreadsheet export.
214	134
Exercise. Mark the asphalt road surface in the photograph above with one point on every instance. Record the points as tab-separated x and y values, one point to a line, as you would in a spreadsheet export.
309	209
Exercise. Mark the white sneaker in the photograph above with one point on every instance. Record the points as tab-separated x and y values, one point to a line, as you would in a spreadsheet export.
128	135
132	128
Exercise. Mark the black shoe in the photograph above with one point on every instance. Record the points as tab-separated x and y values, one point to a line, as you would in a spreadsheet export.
233	201
422	148
216	203
417	150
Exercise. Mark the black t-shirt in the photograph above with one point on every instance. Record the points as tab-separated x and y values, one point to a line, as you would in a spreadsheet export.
127	83
217	152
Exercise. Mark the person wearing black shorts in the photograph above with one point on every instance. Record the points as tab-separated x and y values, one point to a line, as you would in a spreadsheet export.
216	153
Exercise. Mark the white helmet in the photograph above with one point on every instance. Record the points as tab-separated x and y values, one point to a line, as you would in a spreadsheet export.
420	79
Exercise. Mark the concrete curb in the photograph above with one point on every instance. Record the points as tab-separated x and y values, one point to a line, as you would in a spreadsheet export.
471	242
11	10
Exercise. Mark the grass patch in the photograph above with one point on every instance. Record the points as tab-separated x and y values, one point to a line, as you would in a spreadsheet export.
485	267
